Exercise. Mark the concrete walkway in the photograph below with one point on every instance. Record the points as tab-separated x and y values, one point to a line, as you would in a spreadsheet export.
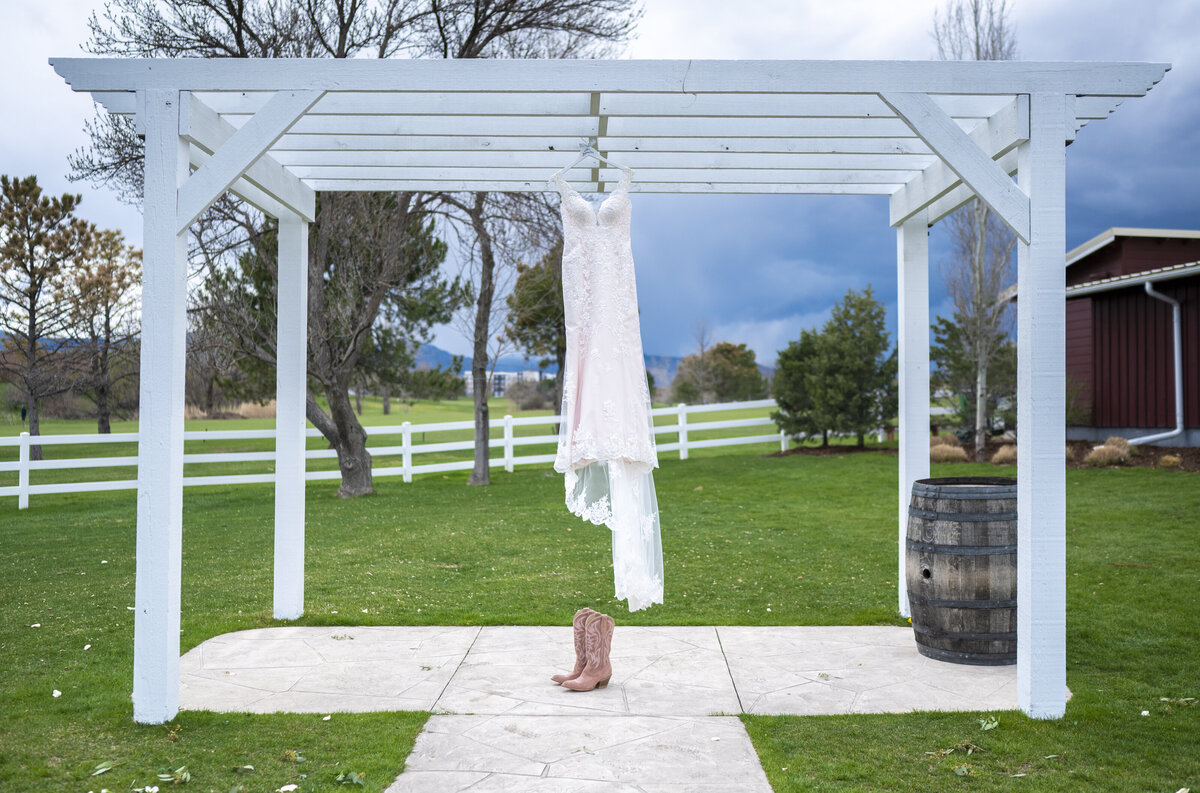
500	724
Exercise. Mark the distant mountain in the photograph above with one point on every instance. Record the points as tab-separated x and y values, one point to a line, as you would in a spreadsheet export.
661	366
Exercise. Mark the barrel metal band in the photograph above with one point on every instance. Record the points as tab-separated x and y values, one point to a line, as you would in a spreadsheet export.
973	659
974	494
967	604
959	550
983	637
961	517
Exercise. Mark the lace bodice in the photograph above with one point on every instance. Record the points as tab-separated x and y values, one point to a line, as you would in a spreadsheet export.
606	439
604	387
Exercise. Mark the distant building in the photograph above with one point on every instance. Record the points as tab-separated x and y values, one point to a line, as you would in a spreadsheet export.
1120	338
502	380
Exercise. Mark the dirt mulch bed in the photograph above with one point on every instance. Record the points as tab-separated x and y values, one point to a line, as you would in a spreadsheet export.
1140	456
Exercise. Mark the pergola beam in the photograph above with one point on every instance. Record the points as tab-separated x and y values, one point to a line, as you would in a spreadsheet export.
569	145
999	135
208	131
640	186
961	194
553	160
964	157
242	188
585	76
796	105
662	175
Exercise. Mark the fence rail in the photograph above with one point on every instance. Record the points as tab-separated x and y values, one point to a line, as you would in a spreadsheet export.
406	450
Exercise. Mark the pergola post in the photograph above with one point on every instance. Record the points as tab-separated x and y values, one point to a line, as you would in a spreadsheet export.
912	243
1041	406
160	416
291	361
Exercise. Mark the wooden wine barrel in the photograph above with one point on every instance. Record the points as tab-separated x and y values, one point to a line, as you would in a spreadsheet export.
961	563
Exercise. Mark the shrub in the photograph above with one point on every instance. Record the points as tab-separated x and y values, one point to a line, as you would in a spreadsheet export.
1006	455
1168	461
1070	453
947	454
1106	455
945	439
254	410
531	395
1118	443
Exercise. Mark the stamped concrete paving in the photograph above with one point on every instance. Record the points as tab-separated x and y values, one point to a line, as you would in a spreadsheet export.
662	724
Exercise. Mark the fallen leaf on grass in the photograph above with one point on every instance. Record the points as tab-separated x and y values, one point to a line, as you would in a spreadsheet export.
180	776
350	778
105	767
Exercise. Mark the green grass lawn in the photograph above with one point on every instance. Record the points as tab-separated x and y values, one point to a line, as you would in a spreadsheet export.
812	539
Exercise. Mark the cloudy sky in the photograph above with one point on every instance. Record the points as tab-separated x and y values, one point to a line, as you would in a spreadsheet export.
756	269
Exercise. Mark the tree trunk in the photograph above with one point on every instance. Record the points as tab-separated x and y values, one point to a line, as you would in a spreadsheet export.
357	401
35	428
387	401
347	437
103	425
100	369
209	394
481	473
824	439
981	424
31	396
862	440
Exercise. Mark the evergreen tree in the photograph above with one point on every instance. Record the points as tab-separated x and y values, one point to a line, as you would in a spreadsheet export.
536	318
842	378
798	364
954	371
724	372
859	375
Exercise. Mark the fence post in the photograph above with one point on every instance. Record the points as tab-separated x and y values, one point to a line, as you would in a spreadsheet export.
23	472
783	441
682	431
407	442
508	443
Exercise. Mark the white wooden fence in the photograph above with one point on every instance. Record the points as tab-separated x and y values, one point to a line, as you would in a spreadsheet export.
508	445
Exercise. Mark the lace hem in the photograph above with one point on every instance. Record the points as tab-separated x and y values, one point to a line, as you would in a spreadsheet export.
621	495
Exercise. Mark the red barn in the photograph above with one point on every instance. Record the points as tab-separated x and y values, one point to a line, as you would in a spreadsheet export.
1121	357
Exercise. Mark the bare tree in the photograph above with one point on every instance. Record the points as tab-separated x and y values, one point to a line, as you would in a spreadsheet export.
100	294
336	29
695	381
370	260
983	245
499	231
975	30
209	364
40	237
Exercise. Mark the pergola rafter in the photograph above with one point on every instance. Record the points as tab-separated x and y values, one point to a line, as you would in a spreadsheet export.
928	135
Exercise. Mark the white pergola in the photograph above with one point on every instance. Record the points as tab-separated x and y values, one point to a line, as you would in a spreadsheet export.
929	135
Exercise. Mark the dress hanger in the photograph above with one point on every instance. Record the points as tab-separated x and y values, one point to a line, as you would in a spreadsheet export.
587	150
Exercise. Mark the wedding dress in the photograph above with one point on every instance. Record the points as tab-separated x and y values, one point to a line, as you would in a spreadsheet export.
606	438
